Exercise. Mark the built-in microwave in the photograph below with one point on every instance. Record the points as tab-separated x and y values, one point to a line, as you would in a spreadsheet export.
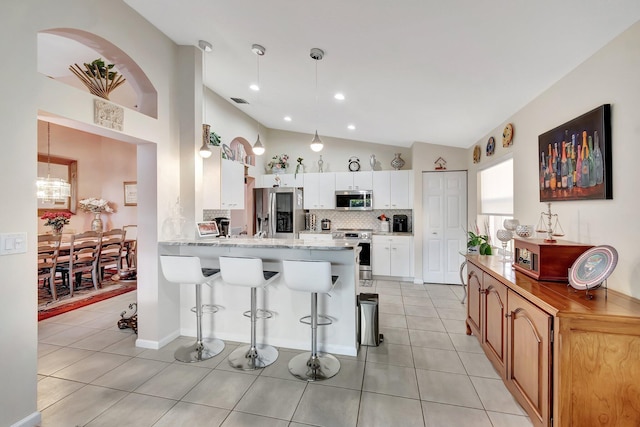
354	200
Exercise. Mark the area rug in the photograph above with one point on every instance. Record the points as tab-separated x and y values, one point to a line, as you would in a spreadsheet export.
84	297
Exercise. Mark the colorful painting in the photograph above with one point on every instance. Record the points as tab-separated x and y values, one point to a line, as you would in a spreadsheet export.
574	159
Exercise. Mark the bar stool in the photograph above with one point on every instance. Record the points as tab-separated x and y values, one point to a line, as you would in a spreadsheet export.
188	269
314	277
248	272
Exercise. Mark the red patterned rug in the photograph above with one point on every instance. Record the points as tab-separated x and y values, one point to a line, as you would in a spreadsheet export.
83	298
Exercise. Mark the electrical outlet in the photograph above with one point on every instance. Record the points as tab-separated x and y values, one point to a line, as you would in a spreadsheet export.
13	243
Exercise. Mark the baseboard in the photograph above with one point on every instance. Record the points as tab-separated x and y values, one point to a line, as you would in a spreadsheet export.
34	419
156	345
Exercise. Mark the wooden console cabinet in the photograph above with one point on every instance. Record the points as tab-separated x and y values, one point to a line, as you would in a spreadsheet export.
567	360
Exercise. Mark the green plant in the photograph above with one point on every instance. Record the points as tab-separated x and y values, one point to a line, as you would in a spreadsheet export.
102	68
479	240
214	139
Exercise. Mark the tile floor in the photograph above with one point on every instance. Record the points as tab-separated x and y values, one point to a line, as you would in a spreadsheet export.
427	372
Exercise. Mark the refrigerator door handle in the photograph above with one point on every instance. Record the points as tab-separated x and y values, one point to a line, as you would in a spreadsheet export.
272	214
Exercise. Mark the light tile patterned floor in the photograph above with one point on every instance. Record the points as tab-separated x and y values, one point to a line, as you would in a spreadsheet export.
427	372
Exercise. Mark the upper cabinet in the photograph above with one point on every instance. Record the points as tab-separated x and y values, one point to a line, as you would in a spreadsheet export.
319	191
354	181
222	183
286	180
393	189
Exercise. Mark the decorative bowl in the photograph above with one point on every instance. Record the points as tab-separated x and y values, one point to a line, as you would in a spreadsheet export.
524	231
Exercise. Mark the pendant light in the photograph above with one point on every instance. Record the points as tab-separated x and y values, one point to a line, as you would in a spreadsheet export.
51	190
258	148
316	54
205	151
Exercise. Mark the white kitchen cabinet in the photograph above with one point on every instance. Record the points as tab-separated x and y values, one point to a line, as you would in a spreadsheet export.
392	189
222	183
391	255
346	181
286	180
319	191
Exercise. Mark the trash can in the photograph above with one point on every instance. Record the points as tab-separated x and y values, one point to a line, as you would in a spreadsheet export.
368	333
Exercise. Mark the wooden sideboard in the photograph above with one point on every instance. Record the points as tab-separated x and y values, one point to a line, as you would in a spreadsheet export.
568	360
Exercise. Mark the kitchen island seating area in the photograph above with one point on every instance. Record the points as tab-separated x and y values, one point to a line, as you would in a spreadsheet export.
187	269
312	277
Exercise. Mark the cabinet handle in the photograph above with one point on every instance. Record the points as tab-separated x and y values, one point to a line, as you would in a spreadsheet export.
507	315
482	291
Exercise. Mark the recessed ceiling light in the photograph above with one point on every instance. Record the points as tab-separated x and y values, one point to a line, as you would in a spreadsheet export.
287	118
351	127
254	86
339	96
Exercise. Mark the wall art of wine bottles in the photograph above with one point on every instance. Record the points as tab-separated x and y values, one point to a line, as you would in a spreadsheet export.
574	159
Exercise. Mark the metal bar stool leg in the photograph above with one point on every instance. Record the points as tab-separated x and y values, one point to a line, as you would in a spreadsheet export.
314	366
253	356
199	351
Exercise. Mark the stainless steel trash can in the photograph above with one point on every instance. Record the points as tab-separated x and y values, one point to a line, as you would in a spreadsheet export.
368	333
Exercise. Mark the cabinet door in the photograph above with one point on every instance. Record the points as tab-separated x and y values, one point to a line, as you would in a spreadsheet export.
529	357
400	261
362	181
326	191
382	190
380	257
344	181
311	190
494	322
232	191
399	190
474	289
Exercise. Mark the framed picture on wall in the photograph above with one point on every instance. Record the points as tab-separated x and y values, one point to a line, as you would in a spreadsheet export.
131	193
574	159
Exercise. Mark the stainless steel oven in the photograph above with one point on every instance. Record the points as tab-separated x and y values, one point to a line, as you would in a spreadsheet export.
364	241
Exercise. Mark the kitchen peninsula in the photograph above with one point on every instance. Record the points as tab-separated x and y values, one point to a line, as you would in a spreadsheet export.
284	328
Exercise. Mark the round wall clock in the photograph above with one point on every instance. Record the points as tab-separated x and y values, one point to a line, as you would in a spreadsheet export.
354	164
507	135
476	154
491	146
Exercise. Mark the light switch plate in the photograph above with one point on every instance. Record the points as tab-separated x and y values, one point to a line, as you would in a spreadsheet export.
13	243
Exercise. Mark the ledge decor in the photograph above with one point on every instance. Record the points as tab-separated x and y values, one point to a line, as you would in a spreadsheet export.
98	77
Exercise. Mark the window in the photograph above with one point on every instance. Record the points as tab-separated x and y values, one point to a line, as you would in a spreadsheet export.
495	185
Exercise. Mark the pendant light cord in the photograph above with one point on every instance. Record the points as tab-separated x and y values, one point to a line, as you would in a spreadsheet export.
48	149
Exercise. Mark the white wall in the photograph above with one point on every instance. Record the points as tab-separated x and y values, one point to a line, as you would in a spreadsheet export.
26	94
609	76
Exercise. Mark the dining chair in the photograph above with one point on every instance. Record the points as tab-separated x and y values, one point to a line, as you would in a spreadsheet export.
131	245
48	249
81	259
110	251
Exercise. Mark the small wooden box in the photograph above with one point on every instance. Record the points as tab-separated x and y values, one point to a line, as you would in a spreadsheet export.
546	261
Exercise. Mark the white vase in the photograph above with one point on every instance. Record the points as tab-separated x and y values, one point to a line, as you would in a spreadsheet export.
96	224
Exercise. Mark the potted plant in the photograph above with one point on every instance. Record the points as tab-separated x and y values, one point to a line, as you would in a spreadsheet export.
478	243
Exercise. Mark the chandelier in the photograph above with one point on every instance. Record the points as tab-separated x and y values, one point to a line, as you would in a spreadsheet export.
51	190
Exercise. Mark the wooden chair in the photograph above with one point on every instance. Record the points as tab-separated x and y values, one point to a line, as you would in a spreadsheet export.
130	250
110	251
48	250
82	258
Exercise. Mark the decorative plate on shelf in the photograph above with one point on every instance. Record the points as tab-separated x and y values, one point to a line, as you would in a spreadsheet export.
507	135
491	146
476	154
228	154
593	267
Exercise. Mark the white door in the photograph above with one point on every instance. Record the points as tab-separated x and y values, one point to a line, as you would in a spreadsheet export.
444	210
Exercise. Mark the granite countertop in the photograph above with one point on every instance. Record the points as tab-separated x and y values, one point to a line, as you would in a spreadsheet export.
316	232
330	245
392	233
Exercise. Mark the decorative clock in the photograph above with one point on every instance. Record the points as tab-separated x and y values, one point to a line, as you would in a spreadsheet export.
507	135
491	146
354	164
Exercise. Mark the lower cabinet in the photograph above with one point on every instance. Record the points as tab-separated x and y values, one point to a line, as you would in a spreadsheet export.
391	256
570	361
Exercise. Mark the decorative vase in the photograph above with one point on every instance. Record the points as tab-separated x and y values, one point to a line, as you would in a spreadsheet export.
278	171
96	224
56	231
320	164
372	161
397	163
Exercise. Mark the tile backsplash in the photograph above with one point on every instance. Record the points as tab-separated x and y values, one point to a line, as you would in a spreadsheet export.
360	219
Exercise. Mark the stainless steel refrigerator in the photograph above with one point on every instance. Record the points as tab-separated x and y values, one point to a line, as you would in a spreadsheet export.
279	212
